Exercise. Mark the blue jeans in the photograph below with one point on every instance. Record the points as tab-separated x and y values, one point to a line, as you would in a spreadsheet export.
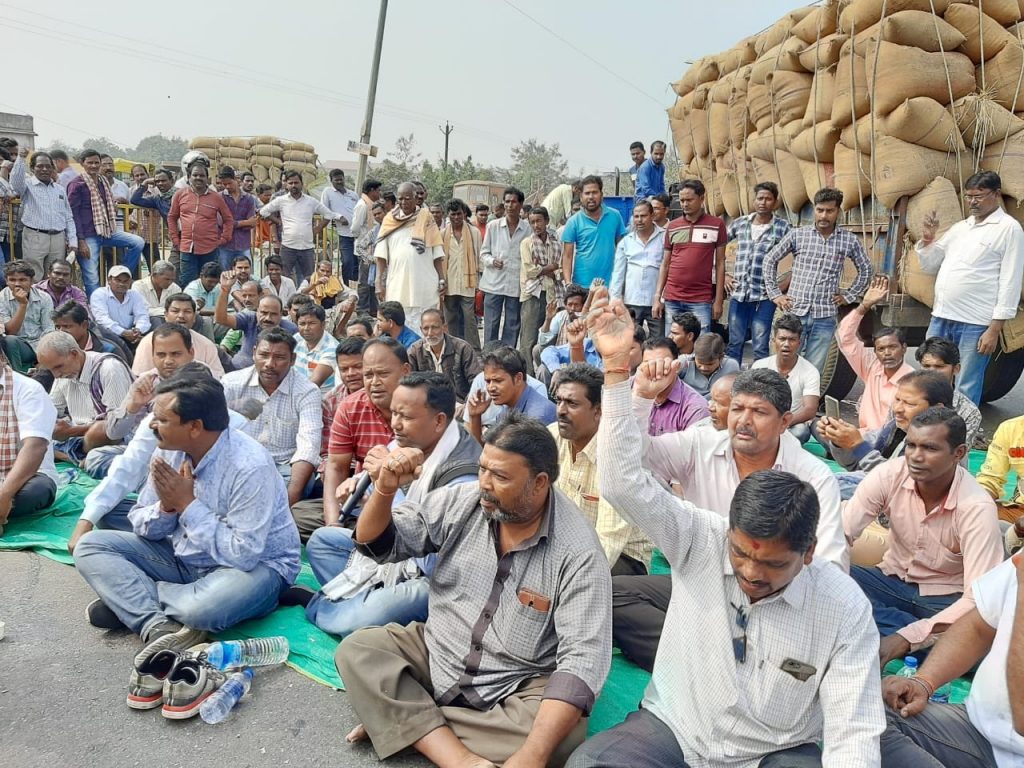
228	255
132	245
972	363
494	304
753	316
99	460
896	603
942	736
328	550
192	263
145	584
816	338
701	310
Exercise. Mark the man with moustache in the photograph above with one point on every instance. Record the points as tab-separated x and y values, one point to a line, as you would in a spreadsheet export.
517	646
268	314
439	351
45	213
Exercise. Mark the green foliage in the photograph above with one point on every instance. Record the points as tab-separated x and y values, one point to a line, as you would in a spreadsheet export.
537	166
155	149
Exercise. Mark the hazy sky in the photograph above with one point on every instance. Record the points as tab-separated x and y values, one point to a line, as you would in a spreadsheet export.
299	69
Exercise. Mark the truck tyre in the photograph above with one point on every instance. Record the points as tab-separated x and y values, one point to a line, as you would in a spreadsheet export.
1001	376
837	377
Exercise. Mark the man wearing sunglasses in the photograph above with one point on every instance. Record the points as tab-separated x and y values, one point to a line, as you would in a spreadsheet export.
768	650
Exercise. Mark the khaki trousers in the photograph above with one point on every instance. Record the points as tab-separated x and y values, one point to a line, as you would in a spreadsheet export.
386	671
41	250
308	515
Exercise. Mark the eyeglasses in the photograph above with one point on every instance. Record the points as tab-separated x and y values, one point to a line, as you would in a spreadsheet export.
975	198
739	644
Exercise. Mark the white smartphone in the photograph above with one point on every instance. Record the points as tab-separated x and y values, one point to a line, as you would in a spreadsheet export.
831	407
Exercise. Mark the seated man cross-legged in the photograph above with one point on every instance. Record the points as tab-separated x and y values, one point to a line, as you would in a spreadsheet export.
213	541
356	591
943	534
518	643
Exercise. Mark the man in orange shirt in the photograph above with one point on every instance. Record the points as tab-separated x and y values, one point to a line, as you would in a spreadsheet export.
193	222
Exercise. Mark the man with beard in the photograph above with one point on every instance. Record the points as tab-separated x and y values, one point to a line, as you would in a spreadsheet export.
439	351
291	423
517	646
212	541
356	591
268	314
819	254
578	405
589	239
199	221
58	287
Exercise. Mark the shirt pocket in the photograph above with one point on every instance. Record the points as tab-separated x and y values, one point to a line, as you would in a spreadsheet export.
974	253
780	700
526	631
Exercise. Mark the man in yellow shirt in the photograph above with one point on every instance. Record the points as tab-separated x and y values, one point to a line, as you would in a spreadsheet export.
578	404
1005	453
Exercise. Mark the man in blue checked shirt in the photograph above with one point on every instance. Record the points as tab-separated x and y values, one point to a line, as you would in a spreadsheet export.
819	253
650	176
637	262
750	309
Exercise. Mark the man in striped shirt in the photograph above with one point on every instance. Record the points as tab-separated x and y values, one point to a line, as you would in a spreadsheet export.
45	212
819	254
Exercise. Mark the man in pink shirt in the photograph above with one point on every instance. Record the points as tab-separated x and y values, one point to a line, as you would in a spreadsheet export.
880	368
943	534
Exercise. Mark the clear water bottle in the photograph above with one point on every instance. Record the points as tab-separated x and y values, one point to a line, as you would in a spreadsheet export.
220	703
909	668
255	652
941	695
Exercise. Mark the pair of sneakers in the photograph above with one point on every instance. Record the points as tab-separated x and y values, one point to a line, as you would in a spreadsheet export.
172	673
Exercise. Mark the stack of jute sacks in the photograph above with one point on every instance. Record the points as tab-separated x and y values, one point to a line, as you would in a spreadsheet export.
265	156
880	98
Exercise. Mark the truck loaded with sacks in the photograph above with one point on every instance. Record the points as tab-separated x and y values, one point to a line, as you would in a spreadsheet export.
895	103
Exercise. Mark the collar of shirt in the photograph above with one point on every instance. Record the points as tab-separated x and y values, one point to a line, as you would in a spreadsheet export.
723	447
656	237
675	394
523	225
542	531
210	459
949	503
993	218
794	593
526	397
252	381
91	361
444	349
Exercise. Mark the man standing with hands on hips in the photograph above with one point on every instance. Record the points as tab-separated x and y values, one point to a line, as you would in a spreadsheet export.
979	264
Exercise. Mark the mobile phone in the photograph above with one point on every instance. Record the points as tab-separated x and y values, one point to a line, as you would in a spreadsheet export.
831	407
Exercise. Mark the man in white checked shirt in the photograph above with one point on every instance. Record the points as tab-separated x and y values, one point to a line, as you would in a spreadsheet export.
768	651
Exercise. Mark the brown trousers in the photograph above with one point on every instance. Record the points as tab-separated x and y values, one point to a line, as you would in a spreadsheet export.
387	674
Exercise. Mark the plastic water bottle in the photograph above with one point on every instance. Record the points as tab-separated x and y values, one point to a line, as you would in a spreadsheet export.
941	695
255	652
909	668
220	703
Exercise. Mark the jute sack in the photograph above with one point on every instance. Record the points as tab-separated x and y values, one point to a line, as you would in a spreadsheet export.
699	96
1001	77
852	99
297	145
816	176
918	29
1006	12
721	90
239	142
821	97
791	181
851	176
682	140
1007	159
233	153
902	169
718	128
260	173
759	105
739	122
823	53
730	192
903	72
697	120
781	29
204	143
267	150
915	281
925	122
269	162
939	195
790	92
299	166
298	156
816	143
982	121
782	58
861	14
819	23
266	140
985	37
763	144
739	55
703	70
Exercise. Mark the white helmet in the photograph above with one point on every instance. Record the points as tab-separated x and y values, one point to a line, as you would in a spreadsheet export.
186	160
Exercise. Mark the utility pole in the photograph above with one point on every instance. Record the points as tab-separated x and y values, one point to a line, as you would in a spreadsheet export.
371	94
447	131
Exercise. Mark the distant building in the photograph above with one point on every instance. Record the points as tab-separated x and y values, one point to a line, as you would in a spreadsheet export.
21	128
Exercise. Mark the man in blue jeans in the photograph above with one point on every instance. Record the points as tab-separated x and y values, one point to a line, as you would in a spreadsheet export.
213	540
819	254
92	206
357	592
980	265
750	309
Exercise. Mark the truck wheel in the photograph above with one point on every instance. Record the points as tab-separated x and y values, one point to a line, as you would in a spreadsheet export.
837	378
1001	375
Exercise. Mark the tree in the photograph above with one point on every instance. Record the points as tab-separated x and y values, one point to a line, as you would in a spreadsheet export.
159	148
405	153
106	146
537	166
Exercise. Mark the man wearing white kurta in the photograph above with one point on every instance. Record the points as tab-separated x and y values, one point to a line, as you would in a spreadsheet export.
410	259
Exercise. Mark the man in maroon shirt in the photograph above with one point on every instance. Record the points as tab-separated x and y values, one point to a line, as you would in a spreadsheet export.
193	222
694	249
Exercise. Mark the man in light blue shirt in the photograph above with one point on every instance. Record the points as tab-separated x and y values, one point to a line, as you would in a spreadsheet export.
505	380
120	310
637	263
650	177
590	237
213	540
